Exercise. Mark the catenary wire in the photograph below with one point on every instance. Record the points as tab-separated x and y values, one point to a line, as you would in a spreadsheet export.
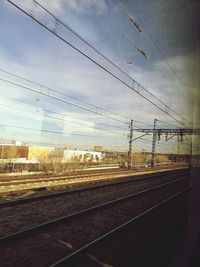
57	118
53	90
153	45
63	94
121	30
95	62
57	132
102	55
20	77
59	99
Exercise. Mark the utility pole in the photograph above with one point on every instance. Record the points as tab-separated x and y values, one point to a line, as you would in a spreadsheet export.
153	144
130	146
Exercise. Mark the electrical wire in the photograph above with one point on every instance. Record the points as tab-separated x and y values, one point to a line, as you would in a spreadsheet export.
60	119
59	99
141	51
166	123
56	132
137	26
140	29
102	55
53	90
63	94
92	60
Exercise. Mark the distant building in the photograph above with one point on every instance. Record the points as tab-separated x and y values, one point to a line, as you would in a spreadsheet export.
17	143
81	156
35	152
13	151
24	158
110	156
98	148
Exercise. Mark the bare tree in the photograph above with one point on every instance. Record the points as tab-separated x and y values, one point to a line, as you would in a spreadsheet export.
9	155
53	163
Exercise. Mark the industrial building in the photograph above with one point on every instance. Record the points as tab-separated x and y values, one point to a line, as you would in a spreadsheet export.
18	158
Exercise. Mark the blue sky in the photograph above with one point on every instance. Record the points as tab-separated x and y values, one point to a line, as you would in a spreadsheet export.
28	50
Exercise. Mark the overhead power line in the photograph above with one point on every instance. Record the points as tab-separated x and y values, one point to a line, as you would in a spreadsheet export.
102	55
57	132
56	91
148	38
166	123
53	90
95	62
176	131
137	26
60	21
59	99
63	94
141	51
60	119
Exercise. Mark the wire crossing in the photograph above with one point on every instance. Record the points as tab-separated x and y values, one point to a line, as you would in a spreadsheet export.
95	62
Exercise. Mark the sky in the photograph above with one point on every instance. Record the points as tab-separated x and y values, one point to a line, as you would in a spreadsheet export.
51	94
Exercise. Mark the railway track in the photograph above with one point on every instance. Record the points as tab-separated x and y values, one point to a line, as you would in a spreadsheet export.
129	179
59	238
69	175
50	182
20	177
96	251
21	213
4	182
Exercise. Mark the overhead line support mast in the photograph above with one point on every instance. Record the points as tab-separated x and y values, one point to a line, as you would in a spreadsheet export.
154	144
169	133
130	146
181	132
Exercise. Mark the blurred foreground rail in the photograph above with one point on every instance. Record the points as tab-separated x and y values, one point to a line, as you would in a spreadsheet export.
49	242
16	186
19	214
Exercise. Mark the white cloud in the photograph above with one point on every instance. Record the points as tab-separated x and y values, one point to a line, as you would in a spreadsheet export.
92	86
81	6
57	7
70	73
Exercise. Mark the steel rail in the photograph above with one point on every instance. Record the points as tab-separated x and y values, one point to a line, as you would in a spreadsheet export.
50	223
52	178
16	181
144	177
82	174
71	177
66	260
47	178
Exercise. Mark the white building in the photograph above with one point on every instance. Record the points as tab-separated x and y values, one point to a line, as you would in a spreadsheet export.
81	155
